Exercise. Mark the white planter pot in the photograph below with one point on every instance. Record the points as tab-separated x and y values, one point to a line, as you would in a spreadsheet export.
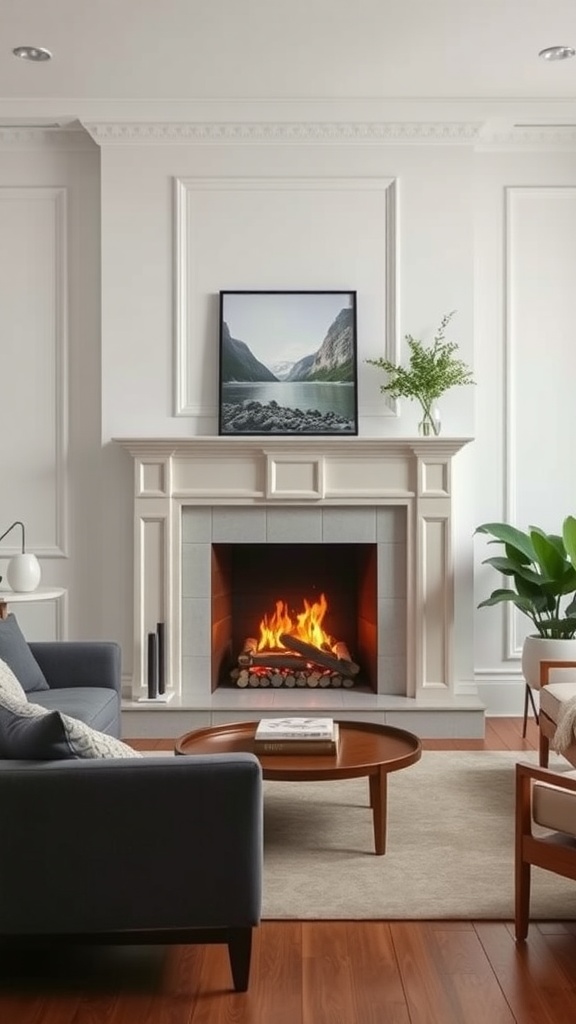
537	649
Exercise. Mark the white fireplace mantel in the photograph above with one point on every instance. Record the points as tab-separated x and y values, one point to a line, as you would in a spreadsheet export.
170	474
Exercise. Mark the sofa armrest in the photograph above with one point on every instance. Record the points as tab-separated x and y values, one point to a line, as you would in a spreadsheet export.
158	842
79	663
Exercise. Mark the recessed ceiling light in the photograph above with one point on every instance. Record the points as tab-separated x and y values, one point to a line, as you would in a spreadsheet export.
33	53
557	53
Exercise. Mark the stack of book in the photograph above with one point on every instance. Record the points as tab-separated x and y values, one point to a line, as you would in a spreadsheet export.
296	736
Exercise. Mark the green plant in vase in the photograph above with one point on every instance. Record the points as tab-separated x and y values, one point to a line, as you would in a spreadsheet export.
432	370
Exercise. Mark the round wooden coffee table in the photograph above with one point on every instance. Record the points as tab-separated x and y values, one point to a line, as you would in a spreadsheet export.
364	749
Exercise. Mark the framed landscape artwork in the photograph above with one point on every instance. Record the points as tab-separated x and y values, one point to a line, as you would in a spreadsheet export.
288	362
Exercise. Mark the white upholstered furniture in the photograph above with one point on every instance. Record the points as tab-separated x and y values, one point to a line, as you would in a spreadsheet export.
545	831
557	703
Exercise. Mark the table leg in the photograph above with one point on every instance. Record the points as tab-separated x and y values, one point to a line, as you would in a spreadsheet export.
378	803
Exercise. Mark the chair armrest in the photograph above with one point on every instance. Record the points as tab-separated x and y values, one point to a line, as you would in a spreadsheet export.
159	842
79	663
546	666
536	773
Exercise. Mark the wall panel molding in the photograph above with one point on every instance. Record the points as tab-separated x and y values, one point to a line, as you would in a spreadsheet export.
37	354
539	312
189	191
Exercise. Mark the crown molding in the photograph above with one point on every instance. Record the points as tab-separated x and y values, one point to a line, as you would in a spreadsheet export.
30	137
528	137
290	132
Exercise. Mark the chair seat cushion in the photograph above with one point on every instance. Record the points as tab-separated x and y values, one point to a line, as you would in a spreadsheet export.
555	808
553	696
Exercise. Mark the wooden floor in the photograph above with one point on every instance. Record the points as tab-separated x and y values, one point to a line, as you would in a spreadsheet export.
367	972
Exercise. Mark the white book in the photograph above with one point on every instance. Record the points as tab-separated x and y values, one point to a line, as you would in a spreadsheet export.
295	729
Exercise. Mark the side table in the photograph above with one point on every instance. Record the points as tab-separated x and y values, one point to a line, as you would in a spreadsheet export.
40	594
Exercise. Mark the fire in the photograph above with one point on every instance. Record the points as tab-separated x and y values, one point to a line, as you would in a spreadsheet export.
306	625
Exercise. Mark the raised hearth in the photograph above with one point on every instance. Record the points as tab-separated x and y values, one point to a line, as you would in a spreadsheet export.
195	496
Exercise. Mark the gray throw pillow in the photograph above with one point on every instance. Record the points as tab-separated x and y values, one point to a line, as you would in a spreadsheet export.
38	738
14	650
30	732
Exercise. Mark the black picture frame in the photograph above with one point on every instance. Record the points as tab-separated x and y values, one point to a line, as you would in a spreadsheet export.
288	363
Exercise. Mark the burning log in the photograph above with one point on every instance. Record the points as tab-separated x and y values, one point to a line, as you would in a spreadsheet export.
317	657
250	648
270	659
340	649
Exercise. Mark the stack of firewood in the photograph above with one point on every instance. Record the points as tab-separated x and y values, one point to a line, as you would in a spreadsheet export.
299	664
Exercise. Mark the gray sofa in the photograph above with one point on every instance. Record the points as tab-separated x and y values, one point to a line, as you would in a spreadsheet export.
84	679
149	849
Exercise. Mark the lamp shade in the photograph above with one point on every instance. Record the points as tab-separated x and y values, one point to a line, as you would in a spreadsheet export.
23	572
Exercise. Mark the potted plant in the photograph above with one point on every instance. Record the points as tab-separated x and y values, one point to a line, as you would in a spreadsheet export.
431	371
541	570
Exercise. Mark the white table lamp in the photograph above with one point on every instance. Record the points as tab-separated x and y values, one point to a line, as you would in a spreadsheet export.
23	570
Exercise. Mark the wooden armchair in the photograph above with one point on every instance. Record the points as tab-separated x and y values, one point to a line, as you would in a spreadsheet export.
547	799
552	696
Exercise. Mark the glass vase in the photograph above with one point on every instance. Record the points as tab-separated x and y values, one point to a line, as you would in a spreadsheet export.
430	425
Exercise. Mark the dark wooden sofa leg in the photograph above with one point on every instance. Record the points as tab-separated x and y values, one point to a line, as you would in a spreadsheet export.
239	952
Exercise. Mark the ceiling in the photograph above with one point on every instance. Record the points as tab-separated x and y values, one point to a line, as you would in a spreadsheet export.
194	50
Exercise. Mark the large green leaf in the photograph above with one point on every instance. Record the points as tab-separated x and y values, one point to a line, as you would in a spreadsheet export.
512	537
503	565
549	555
569	580
569	538
500	596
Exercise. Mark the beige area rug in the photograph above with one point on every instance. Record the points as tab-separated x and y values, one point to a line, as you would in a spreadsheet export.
450	846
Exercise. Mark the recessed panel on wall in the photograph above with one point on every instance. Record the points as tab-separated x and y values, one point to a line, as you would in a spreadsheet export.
285	234
541	363
33	331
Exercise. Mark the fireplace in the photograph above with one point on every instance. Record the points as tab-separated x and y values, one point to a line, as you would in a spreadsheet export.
294	615
378	508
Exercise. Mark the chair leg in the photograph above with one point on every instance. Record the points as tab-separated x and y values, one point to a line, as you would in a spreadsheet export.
528	696
239	953
533	703
522	901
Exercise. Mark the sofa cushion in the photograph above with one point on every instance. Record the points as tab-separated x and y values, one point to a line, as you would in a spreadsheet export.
33	738
14	650
97	706
555	808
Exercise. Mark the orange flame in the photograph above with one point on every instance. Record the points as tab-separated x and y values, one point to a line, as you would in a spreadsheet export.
307	625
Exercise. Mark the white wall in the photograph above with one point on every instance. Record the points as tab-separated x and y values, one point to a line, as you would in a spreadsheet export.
460	244
50	381
525	362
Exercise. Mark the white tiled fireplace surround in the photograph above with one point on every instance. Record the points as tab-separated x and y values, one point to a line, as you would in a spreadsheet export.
192	494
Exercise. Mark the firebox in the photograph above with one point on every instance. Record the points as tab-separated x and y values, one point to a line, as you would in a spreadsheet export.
294	615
